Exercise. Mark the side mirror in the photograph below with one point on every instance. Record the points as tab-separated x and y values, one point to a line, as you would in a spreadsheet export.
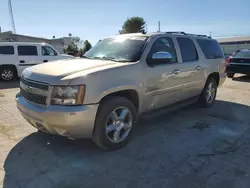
159	57
164	56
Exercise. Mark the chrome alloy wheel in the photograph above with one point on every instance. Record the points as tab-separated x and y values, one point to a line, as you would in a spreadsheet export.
7	75
211	90
119	124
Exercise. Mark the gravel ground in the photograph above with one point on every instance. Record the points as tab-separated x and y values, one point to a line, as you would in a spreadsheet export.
191	147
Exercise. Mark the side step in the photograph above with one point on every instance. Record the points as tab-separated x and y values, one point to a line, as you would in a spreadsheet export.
170	108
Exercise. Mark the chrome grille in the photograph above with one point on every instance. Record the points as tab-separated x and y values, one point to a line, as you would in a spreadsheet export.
33	91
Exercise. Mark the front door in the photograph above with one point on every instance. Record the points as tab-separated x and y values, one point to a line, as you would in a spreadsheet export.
27	56
49	54
163	80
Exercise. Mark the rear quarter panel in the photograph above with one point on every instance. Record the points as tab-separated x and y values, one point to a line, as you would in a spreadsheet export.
10	59
212	65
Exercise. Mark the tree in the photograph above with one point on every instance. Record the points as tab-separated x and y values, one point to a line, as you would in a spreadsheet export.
74	47
71	49
77	42
87	46
134	25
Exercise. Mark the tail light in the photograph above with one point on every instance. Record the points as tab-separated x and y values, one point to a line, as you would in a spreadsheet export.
227	61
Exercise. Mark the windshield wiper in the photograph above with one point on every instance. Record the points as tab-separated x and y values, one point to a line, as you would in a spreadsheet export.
110	59
84	56
105	58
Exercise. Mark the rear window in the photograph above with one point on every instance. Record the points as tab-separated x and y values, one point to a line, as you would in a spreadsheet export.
188	50
210	48
242	54
7	50
27	50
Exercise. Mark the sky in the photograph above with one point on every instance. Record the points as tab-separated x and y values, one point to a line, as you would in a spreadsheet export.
97	19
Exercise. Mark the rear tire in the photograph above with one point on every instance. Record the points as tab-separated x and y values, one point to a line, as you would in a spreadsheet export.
230	75
208	94
115	120
7	73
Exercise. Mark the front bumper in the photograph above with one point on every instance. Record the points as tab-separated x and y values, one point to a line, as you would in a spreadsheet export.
69	121
241	69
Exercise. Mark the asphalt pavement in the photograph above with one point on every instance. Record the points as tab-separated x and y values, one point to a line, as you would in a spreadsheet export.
191	147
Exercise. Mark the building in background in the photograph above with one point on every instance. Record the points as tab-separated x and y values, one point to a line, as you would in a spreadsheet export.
58	43
231	44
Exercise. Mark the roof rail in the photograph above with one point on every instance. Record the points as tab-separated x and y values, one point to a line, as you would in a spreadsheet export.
183	33
198	35
138	33
176	32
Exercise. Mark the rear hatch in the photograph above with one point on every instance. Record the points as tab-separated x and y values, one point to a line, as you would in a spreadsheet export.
241	57
240	60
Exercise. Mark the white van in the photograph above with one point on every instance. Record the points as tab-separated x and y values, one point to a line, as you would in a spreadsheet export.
16	56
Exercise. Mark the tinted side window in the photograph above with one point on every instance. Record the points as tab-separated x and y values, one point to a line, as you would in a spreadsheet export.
27	50
188	50
7	50
210	48
164	45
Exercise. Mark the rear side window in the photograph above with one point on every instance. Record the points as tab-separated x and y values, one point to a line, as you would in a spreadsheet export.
7	50
27	50
187	48
210	48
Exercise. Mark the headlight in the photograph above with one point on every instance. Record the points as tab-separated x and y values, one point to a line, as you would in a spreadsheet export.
67	95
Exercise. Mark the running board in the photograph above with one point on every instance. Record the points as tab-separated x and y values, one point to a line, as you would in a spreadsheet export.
170	108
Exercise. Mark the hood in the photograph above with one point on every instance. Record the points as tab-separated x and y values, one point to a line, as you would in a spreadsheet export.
58	72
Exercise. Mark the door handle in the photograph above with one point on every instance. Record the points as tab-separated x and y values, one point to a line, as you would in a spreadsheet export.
45	61
176	71
22	61
198	67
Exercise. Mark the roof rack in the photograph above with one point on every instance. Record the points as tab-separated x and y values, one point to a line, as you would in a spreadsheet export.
183	33
176	32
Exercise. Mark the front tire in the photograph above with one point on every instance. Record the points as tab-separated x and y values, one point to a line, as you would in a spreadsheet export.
115	120
7	73
230	75
208	94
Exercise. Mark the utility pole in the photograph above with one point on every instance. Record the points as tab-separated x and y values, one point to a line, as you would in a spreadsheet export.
210	34
159	26
12	17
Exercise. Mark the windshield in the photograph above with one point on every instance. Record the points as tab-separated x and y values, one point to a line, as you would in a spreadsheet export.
120	48
242	54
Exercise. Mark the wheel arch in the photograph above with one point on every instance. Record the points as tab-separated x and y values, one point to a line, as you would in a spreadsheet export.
216	76
130	94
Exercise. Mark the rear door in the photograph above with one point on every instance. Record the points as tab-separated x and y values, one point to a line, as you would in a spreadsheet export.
192	68
27	56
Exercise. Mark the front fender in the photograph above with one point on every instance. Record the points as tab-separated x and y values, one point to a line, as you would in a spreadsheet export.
117	89
105	82
96	93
